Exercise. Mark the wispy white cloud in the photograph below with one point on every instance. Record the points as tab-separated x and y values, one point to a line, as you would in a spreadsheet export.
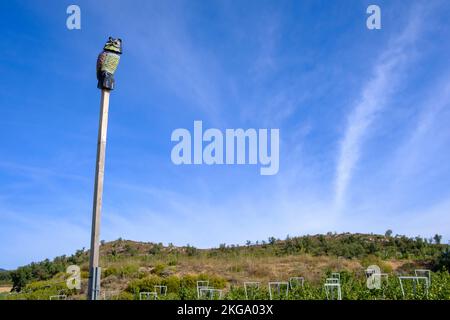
373	99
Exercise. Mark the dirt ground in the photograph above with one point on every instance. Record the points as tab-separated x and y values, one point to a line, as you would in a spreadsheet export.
5	289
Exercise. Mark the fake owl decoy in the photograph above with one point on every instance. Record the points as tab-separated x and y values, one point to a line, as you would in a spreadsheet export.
107	63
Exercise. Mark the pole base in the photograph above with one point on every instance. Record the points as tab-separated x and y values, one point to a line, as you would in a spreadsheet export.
94	283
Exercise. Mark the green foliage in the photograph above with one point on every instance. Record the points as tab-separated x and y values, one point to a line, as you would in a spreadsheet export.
442	263
146	284
5	276
354	288
122	259
437	238
183	288
44	270
123	271
43	290
191	250
156	249
375	260
159	269
173	283
130	249
125	296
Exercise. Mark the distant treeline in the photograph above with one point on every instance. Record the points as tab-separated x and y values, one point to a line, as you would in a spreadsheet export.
5	276
341	245
44	270
348	246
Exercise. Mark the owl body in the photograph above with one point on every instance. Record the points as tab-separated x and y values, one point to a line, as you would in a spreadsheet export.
107	63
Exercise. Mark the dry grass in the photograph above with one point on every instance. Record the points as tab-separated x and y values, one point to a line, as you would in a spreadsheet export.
266	268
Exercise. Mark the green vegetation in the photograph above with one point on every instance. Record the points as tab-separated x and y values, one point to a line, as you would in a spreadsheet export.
131	267
5	277
184	288
44	270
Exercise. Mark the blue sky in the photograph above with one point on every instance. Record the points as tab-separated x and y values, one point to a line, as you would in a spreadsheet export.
363	118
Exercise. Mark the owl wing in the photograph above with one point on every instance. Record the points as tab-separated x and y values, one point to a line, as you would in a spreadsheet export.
100	62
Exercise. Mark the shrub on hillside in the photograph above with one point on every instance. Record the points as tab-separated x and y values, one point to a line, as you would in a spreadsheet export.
442	263
146	284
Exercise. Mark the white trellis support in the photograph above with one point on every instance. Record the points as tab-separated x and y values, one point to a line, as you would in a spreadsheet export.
336	275
110	294
202	284
332	280
278	289
161	290
423	273
148	296
382	276
416	281
295	282
333	291
375	275
210	294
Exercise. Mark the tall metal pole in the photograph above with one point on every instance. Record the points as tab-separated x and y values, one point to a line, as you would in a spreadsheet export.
94	269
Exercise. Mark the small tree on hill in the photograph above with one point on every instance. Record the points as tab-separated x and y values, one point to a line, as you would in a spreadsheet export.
437	238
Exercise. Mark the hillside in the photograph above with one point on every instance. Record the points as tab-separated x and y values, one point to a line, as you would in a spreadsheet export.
130	267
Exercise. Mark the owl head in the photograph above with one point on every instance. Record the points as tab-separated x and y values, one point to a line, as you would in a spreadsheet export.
113	45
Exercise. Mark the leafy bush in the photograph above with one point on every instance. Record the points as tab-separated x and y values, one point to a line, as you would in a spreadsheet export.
128	270
354	288
442	263
159	268
146	284
125	296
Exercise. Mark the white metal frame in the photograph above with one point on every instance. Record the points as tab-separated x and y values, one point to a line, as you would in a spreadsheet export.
201	284
329	291
332	280
298	280
382	276
161	290
336	275
210	294
423	273
416	281
374	273
58	297
252	286
278	285
148	295
108	294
